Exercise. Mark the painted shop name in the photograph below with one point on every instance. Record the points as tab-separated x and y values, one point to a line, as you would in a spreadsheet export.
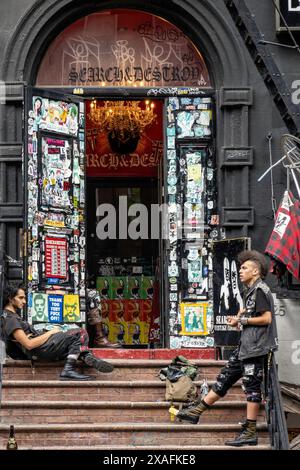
112	160
117	75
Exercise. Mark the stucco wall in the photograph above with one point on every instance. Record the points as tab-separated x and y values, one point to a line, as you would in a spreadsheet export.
288	324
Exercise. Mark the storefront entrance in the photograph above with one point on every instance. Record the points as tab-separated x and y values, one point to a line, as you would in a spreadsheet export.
124	148
101	156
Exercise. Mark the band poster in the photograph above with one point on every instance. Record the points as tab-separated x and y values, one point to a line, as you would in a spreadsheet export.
228	292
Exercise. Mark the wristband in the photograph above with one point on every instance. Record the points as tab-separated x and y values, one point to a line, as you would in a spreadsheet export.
244	321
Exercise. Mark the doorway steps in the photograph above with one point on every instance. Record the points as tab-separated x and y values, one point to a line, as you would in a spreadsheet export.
125	409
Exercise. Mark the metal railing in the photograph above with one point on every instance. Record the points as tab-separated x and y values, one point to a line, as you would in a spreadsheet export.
274	409
2	346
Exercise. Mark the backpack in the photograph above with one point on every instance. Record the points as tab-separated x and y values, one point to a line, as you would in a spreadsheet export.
183	389
179	376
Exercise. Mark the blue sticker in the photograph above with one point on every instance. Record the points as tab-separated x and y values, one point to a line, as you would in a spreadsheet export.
52	280
55	308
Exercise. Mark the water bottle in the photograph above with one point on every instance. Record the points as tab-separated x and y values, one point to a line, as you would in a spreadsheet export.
204	389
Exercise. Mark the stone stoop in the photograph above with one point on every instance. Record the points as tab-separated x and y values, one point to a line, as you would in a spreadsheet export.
125	409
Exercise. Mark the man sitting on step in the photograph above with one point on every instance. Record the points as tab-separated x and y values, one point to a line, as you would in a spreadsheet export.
258	339
24	341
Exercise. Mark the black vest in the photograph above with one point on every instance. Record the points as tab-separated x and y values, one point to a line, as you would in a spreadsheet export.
257	340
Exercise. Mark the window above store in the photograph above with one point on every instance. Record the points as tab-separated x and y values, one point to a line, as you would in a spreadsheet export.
122	48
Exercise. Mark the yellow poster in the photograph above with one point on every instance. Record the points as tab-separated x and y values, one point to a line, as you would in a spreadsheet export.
71	308
194	318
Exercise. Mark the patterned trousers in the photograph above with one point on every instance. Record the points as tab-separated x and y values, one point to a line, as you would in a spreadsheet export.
251	372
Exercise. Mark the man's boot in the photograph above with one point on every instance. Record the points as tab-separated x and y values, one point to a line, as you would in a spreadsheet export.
193	413
69	372
100	341
98	364
247	437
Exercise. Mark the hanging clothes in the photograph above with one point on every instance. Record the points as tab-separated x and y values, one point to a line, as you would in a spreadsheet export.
284	243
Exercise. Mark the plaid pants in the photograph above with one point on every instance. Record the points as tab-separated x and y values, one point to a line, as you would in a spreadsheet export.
60	345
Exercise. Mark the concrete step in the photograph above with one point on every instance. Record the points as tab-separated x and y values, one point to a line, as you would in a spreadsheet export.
63	412
124	434
140	390
132	369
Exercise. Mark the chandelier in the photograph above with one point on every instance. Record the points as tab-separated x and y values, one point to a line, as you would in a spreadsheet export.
123	121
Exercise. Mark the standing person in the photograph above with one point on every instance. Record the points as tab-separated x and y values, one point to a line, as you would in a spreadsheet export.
22	340
258	339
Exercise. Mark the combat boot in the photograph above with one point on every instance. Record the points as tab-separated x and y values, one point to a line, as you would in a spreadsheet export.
69	372
192	413
247	437
98	364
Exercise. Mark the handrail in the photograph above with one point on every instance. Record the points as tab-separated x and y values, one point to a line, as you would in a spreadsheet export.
2	282
274	410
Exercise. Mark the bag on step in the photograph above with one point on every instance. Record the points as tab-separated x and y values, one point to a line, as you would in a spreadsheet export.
183	389
179	376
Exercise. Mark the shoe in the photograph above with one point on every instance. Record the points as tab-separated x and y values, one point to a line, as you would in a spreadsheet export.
69	372
98	364
247	437
190	414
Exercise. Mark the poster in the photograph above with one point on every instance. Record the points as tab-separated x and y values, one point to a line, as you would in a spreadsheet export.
71	312
39	307
56	173
228	291
57	116
56	265
55	308
194	318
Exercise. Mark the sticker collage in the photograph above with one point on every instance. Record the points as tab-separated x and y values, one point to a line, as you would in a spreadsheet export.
55	250
193	221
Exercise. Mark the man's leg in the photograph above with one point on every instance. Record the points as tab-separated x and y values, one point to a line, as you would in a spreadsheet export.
81	343
63	346
228	375
252	381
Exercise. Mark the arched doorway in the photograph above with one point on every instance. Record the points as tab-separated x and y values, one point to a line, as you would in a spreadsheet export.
122	142
117	92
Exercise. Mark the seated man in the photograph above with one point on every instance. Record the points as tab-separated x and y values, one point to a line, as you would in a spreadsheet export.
23	341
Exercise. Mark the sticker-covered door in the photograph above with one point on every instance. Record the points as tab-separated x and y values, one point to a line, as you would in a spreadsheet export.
193	220
54	167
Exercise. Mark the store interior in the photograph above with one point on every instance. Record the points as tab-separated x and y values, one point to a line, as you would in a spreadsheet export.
124	148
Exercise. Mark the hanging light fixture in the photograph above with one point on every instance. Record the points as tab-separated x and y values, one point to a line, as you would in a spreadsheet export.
123	121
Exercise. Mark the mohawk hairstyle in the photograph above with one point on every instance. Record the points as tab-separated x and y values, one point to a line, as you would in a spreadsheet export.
256	257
